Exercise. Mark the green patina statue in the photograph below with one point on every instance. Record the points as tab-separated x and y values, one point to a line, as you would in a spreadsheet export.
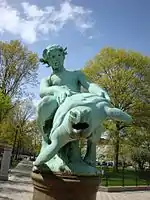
65	115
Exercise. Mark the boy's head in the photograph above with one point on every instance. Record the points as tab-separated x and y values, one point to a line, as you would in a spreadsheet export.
54	56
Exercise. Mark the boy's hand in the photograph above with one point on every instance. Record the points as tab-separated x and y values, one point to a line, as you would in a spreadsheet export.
62	95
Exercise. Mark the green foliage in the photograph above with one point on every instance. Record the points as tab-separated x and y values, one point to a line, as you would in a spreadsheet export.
4	101
34	136
18	67
19	129
140	156
138	137
122	73
5	104
125	75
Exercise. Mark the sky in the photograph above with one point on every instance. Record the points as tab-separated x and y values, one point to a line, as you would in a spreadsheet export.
83	26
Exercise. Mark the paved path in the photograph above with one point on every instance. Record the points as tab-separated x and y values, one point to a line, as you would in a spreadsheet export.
19	187
124	196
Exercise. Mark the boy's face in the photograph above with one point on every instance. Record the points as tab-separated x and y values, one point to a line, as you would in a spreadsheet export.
56	59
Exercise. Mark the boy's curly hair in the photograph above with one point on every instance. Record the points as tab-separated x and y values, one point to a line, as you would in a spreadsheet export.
48	50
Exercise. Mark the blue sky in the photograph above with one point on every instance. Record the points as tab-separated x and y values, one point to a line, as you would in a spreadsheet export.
84	27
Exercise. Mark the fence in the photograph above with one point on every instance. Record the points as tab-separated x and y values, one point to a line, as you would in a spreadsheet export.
124	177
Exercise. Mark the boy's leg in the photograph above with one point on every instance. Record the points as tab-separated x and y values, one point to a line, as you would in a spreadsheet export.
46	110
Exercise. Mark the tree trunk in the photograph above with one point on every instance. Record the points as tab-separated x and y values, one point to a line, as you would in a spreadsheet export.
141	165
14	143
116	159
14	146
17	150
116	151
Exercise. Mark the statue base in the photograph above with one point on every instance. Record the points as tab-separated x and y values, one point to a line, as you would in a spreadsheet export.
50	186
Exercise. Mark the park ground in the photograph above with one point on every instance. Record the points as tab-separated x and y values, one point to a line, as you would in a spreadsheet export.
19	187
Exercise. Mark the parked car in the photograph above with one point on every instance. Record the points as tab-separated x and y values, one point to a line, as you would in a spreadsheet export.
110	163
104	163
98	163
32	158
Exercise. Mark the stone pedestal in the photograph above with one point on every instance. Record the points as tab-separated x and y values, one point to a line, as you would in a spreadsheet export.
5	163
51	186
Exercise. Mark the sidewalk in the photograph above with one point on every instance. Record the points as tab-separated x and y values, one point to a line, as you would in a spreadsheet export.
143	195
19	186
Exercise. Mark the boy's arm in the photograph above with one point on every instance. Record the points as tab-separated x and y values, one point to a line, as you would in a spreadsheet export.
92	87
46	88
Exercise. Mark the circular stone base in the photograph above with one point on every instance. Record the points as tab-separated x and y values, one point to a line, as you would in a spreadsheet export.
49	186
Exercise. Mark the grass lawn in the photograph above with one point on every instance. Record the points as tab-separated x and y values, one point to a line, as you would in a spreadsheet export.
131	178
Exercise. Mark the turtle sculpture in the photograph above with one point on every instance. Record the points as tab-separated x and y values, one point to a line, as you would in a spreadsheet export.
80	117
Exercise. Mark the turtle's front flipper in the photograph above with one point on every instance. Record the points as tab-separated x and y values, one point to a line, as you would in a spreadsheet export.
58	140
48	152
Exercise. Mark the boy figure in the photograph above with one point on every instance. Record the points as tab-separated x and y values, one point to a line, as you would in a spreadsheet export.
61	84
